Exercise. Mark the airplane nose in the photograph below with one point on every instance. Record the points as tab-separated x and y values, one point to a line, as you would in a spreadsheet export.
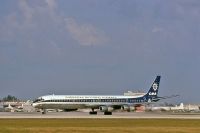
33	104
36	105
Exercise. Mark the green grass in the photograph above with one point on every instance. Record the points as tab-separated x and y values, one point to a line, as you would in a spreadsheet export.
100	125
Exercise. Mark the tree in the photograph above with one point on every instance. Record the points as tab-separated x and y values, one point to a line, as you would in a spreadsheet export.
10	98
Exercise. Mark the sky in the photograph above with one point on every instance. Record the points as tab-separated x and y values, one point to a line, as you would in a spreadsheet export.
101	47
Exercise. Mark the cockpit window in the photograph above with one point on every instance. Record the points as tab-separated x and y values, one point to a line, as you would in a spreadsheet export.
38	100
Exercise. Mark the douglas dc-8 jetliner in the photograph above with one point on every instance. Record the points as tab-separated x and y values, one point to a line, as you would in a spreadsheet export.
105	103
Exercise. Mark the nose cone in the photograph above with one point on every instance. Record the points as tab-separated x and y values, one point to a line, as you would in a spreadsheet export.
34	105
37	105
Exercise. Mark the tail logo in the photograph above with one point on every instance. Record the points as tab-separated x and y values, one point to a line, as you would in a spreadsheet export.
155	86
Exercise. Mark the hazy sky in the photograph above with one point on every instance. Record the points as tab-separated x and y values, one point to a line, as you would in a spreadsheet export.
99	47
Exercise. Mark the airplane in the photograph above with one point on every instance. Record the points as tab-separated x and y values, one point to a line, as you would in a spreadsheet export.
105	103
178	108
9	108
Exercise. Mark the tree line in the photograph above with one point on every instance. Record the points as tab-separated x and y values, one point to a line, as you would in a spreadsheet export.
9	98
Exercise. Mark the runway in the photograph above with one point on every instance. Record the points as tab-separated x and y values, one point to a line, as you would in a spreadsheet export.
124	115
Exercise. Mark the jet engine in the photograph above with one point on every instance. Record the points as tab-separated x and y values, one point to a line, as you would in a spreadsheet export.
106	109
127	108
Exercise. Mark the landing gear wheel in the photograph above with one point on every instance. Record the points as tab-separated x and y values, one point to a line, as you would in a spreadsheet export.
107	113
44	111
93	112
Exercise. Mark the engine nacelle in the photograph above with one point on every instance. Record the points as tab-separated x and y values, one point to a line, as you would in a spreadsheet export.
125	108
132	108
106	109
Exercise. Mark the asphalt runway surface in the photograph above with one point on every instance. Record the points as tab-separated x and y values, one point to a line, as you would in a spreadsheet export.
125	115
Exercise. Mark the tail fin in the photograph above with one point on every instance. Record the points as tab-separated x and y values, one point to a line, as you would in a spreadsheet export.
153	91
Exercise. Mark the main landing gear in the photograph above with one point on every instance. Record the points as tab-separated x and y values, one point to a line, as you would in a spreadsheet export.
93	112
107	113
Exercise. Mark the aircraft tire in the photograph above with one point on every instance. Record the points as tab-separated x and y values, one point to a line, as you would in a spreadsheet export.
44	111
107	113
93	112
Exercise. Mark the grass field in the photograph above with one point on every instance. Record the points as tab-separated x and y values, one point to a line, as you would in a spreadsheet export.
99	125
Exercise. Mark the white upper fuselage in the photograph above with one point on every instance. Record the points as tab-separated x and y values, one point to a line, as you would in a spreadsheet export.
50	97
82	101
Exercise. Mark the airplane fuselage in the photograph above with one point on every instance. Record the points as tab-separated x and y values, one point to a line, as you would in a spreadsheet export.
85	101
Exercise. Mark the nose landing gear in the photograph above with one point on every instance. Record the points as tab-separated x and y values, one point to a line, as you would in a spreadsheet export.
44	111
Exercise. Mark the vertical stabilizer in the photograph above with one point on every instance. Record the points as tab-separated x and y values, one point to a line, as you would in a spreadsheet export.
153	91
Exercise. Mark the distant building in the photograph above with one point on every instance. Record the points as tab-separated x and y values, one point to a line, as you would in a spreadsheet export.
14	104
180	107
130	93
140	108
191	107
1	107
